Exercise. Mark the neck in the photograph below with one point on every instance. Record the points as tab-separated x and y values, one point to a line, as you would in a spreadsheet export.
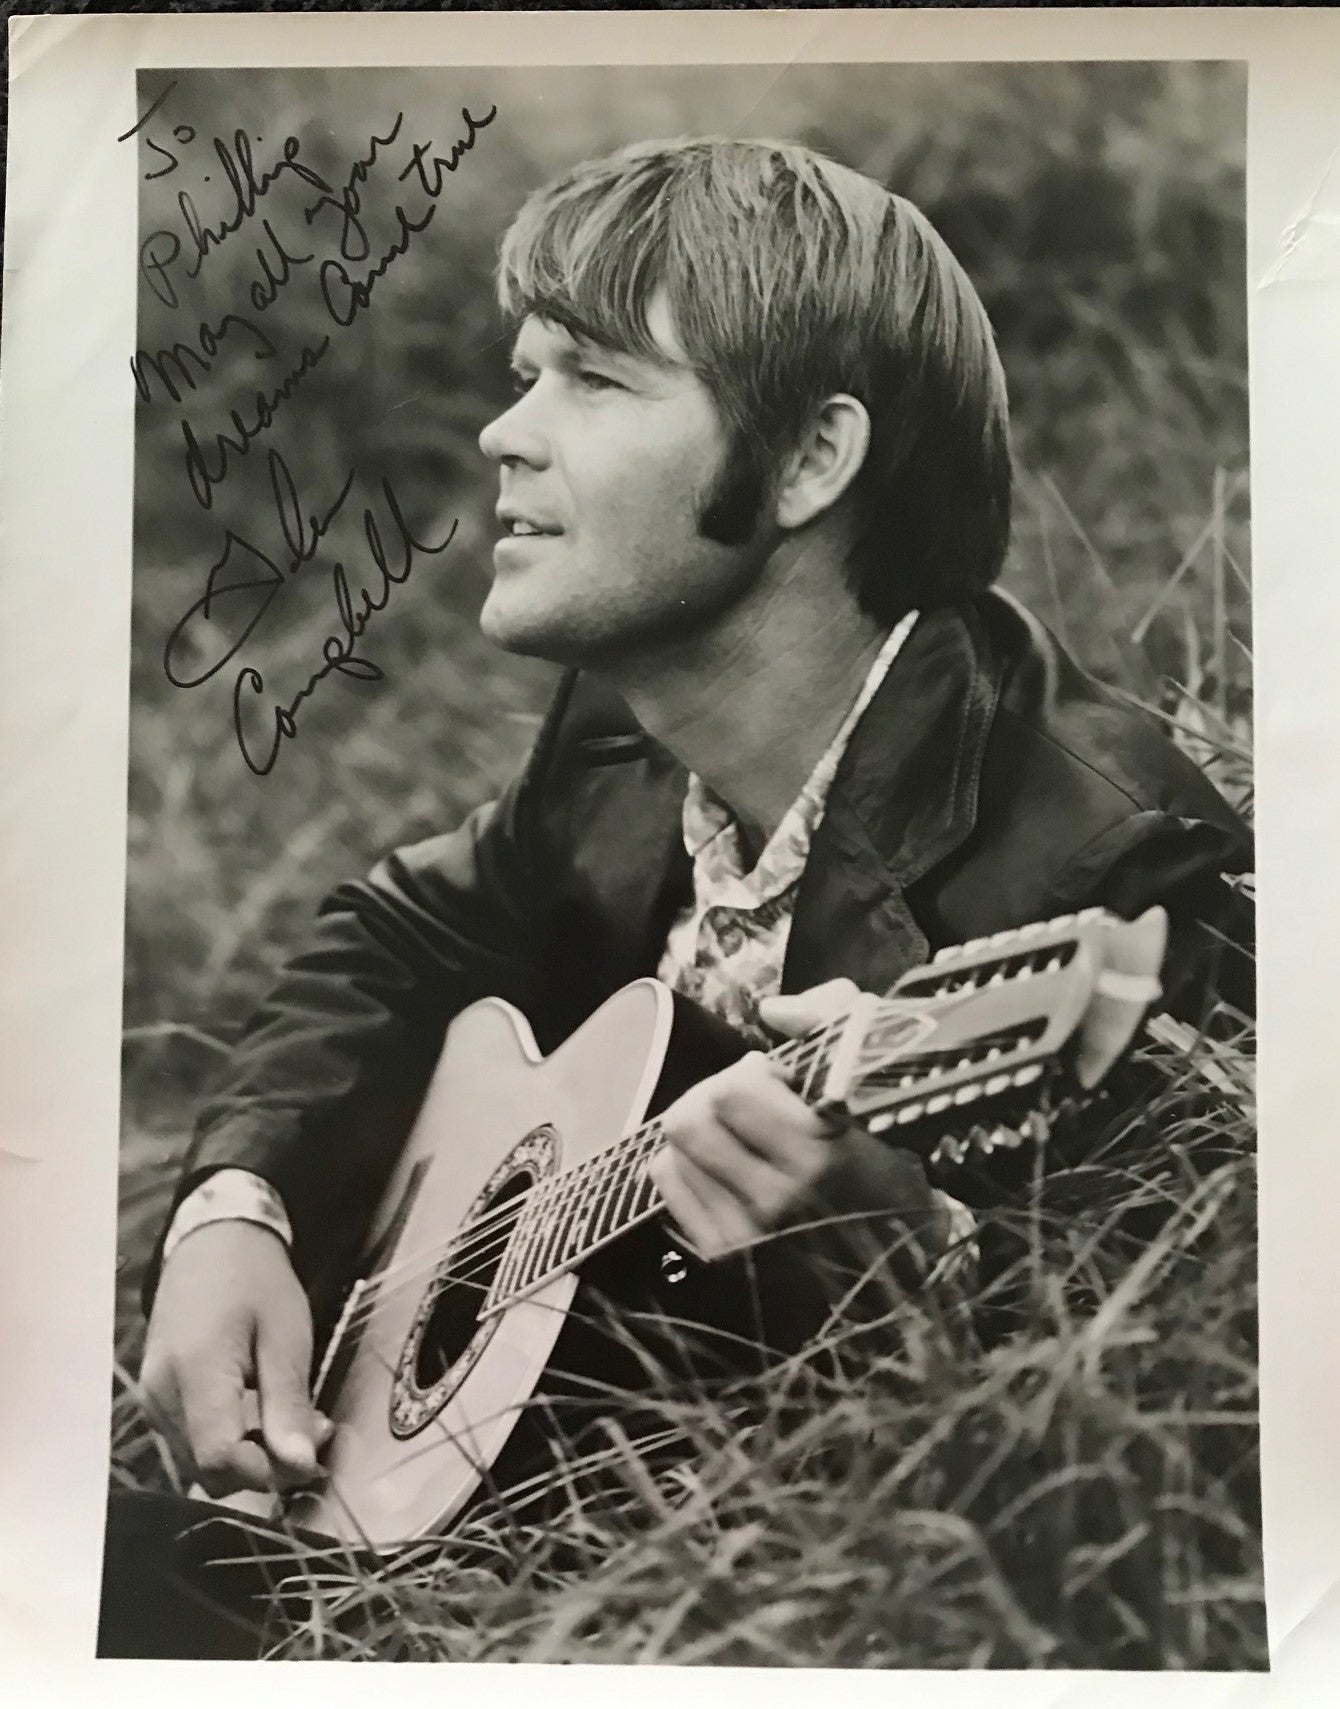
752	705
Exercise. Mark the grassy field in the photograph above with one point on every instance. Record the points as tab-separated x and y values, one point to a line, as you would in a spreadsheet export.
1084	1492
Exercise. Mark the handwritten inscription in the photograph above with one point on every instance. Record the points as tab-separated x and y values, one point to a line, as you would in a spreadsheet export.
287	223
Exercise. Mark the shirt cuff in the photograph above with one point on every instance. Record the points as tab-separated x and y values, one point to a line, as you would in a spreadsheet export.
229	1195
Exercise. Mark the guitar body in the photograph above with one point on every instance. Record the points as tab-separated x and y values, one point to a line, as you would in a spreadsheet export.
426	1398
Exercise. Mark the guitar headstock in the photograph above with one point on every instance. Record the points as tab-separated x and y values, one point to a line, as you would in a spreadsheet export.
965	1047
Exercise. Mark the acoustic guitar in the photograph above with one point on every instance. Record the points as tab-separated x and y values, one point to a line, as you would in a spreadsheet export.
522	1195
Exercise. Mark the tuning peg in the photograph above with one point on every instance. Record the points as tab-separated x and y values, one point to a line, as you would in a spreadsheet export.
1026	1075
968	1094
951	1149
909	1113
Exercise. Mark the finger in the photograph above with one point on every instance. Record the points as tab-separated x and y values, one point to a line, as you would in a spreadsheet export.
710	1220
161	1403
695	1131
727	1217
213	1405
770	1120
685	1212
802	1011
245	1466
287	1421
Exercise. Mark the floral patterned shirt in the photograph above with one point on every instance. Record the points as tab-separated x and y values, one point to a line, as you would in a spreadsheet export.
726	948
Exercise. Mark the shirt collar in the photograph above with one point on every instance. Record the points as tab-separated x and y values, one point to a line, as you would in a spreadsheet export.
712	833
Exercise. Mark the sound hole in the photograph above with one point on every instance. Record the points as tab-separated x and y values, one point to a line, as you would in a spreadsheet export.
446	1339
454	1317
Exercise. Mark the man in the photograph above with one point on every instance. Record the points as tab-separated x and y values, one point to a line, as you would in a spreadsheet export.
754	492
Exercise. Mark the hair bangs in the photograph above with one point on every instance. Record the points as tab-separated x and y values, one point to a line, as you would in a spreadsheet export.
590	259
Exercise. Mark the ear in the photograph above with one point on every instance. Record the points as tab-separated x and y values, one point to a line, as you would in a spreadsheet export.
824	463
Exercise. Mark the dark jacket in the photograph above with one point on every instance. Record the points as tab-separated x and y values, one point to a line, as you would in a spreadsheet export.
989	783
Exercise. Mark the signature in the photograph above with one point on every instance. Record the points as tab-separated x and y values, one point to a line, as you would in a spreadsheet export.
244	581
307	236
337	651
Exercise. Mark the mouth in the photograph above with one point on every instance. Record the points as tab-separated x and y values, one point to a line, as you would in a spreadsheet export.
519	527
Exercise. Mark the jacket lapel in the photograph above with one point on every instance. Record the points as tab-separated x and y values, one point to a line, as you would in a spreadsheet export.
905	796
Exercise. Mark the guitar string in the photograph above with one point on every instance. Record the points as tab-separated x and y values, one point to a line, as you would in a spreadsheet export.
551	1188
804	1053
487	1237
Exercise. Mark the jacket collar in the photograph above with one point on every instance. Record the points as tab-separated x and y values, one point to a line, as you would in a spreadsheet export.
904	797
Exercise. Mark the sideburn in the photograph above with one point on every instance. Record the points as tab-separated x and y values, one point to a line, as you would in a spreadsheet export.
731	513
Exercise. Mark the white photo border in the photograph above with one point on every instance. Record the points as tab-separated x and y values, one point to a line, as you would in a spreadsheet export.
66	432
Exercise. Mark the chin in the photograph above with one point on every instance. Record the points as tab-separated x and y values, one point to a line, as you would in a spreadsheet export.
517	629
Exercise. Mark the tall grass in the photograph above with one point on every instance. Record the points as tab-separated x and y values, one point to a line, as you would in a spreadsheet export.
1081	1491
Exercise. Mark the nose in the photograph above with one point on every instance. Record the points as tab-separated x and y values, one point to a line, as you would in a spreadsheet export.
518	434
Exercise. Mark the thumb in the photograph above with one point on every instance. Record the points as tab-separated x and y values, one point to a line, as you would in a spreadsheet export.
820	1006
288	1424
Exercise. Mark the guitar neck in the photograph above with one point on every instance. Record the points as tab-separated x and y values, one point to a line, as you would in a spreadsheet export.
957	1048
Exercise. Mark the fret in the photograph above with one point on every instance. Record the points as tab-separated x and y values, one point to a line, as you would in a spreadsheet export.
605	1220
584	1202
635	1176
539	1223
631	1176
812	1081
545	1259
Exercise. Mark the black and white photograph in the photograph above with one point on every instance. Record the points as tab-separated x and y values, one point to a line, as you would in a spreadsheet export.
688	1090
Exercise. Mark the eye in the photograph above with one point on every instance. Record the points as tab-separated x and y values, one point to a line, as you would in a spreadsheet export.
521	382
594	381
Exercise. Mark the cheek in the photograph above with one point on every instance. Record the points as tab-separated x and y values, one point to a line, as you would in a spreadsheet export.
655	503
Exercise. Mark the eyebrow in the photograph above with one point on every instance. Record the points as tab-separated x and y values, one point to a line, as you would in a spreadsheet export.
581	347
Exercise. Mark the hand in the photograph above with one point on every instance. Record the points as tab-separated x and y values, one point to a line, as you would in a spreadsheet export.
230	1315
745	1155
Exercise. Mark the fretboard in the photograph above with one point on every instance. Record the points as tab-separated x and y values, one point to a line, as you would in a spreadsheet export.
574	1213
